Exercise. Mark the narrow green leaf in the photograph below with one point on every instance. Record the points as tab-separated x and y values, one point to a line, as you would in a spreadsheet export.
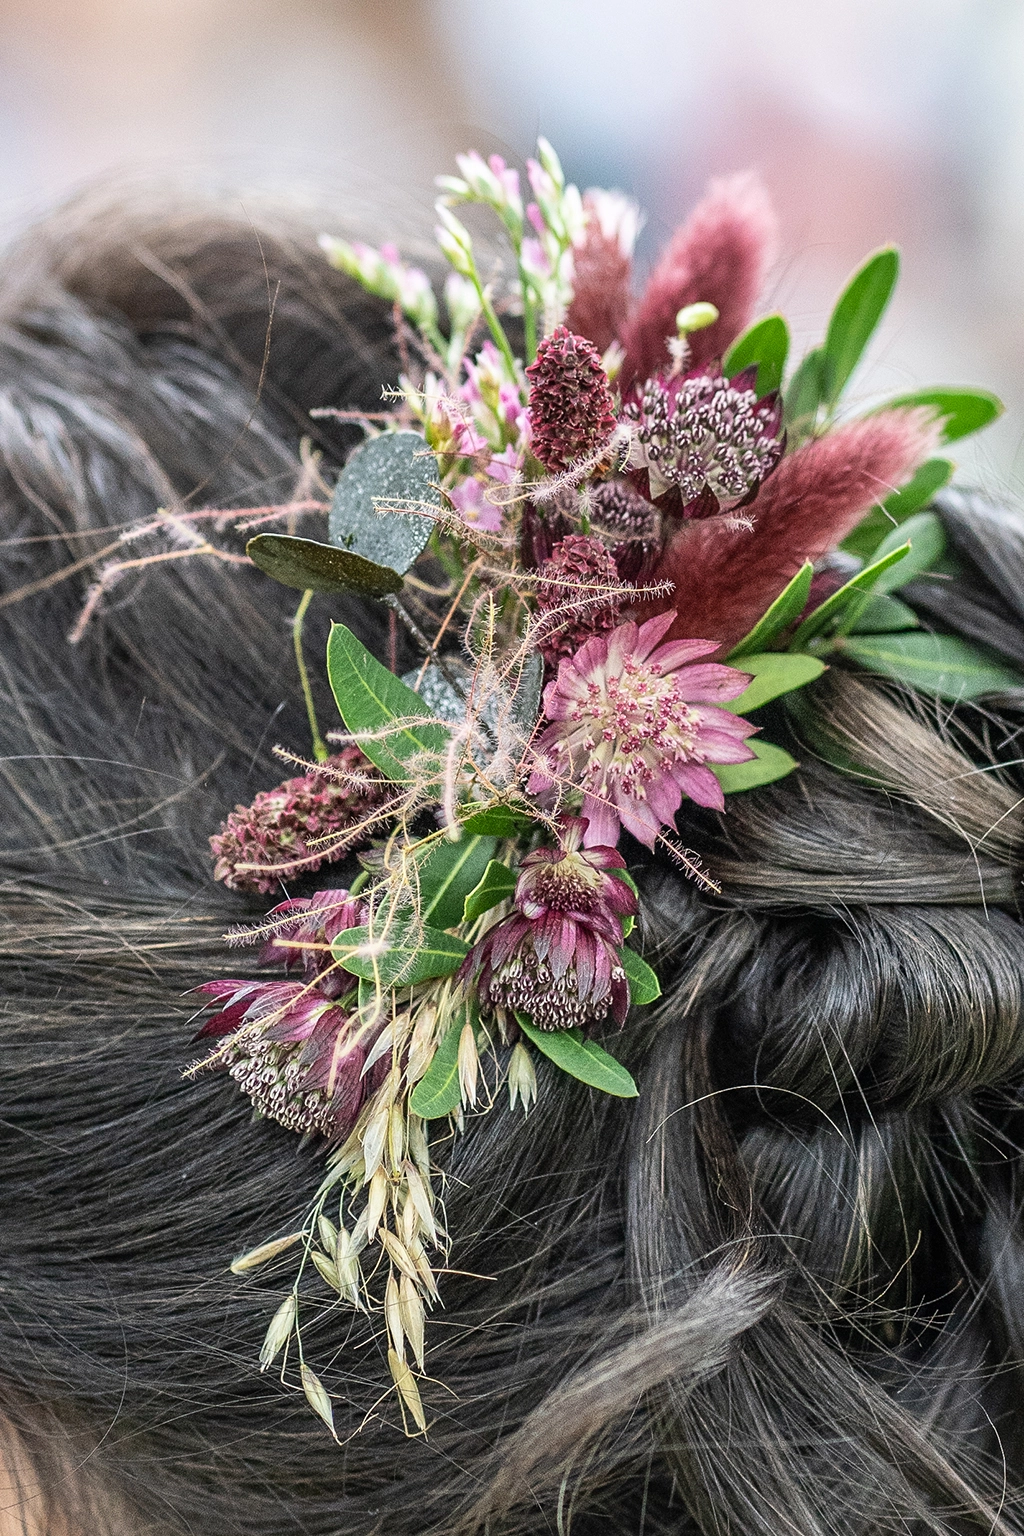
308	566
805	390
371	699
766	343
937	664
895	509
498	882
437	1093
644	986
498	821
448	874
405	955
768	764
394	467
581	1058
884	615
927	539
965	410
832	607
789	605
857	313
774	673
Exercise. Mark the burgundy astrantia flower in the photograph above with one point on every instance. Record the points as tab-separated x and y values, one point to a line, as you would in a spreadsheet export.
555	959
570	401
707	437
634	725
579	584
290	1045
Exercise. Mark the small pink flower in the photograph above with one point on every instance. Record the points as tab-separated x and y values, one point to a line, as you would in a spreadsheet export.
469	498
634	726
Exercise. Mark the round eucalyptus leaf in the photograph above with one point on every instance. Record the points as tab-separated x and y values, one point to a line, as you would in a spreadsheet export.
396	466
306	565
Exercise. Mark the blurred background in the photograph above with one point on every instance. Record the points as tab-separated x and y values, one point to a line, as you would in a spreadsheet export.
870	120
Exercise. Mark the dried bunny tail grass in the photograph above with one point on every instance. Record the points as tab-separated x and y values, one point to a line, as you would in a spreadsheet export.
810	503
719	256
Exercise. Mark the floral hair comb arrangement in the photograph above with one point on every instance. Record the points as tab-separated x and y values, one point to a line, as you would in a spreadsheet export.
615	528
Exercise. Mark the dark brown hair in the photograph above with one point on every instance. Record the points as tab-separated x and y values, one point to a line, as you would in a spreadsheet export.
782	1291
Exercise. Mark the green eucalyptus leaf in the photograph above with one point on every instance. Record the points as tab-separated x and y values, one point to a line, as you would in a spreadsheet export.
496	884
937	664
448	874
396	466
964	410
401	954
927	539
832	607
768	764
644	986
774	673
766	343
787	607
308	566
581	1058
895	509
806	390
498	821
371	700
855	317
884	615
438	1092
527	689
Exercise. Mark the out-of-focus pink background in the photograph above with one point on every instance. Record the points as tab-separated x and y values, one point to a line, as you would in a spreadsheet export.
870	120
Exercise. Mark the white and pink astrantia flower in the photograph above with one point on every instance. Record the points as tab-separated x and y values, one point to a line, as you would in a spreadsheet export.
635	724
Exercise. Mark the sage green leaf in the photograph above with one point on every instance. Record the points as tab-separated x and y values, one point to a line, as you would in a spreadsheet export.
774	673
883	615
832	607
498	821
937	664
527	689
766	343
805	390
768	764
401	954
644	986
497	883
857	313
448	874
789	605
438	1093
371	700
927	539
581	1058
396	466
965	410
308	566
895	509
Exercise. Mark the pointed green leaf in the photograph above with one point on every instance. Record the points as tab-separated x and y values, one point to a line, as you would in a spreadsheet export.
498	821
400	955
371	700
768	764
895	509
964	410
438	1093
581	1058
774	673
448	874
766	343
857	313
883	615
927	539
789	605
805	390
644	986
396	466
833	606
497	884
938	664
308	566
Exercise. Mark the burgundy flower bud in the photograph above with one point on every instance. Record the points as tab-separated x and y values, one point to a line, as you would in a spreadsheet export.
571	413
630	525
579	585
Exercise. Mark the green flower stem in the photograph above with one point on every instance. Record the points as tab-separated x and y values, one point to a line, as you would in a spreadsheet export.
501	341
320	751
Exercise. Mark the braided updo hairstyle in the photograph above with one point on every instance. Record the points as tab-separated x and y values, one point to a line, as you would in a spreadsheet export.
781	1292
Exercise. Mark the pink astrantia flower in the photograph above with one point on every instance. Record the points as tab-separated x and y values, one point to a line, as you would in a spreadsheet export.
555	958
634	725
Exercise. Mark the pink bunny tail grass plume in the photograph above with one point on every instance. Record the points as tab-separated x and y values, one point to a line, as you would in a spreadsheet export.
724	582
603	270
719	256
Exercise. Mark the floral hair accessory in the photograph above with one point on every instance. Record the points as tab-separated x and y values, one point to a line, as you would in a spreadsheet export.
615	528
